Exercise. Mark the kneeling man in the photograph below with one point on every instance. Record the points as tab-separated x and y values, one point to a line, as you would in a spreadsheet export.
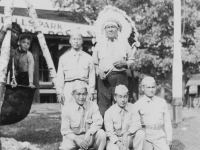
154	116
119	124
82	122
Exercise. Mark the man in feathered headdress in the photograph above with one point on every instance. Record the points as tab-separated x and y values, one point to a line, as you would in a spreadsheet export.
113	54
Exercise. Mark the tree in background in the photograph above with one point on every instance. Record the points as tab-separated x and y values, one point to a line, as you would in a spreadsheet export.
154	22
191	40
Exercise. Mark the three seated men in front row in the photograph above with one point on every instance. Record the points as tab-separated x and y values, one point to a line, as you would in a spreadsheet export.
136	126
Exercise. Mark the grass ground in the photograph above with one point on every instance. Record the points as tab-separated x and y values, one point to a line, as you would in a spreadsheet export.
42	127
186	136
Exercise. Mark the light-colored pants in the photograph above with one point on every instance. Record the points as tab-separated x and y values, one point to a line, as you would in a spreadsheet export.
135	141
99	142
68	92
156	145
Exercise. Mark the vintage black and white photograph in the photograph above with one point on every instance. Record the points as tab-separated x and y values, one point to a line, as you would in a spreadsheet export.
99	74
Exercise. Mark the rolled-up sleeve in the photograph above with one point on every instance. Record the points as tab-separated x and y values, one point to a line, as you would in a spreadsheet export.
135	120
97	119
108	122
167	125
60	77
91	77
130	55
65	126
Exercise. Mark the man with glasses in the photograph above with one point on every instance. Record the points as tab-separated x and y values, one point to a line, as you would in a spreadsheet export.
154	117
119	124
81	122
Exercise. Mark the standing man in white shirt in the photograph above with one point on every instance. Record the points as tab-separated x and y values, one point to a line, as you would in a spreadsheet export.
112	55
74	64
154	116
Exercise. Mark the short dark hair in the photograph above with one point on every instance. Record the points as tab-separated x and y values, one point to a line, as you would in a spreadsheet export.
16	27
25	36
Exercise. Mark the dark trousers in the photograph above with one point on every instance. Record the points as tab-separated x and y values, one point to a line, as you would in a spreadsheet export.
106	88
22	78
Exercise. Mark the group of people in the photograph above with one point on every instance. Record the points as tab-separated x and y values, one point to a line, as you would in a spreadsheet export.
144	125
112	123
85	124
21	64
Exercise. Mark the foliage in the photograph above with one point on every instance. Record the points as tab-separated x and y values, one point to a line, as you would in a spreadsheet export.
191	39
87	8
154	21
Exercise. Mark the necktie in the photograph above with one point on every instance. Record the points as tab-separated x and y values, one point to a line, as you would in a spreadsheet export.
122	117
82	123
77	57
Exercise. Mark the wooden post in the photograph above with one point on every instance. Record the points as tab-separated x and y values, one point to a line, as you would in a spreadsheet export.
177	71
187	97
5	47
42	41
5	51
35	52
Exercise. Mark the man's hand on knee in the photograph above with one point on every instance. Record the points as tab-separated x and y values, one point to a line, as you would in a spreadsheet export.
88	138
125	139
81	143
120	145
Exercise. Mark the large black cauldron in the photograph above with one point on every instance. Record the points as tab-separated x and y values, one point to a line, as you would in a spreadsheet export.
16	103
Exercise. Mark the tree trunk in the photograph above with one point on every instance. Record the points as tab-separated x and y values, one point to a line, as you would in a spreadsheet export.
35	52
42	41
187	100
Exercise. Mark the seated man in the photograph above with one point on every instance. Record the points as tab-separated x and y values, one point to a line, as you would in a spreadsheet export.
119	125
24	62
154	116
81	122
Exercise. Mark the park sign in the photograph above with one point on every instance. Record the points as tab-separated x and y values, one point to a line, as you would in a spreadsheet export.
50	27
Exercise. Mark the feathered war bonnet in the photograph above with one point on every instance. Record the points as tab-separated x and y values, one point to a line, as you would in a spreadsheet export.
120	19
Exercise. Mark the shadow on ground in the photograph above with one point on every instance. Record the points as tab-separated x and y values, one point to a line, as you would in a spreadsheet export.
41	129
